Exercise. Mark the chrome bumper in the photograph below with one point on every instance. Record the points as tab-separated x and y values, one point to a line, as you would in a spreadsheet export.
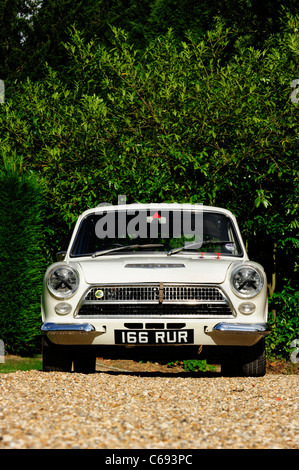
72	333
67	327
238	334
243	328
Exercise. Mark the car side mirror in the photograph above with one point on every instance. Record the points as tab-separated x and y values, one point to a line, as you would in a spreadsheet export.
60	255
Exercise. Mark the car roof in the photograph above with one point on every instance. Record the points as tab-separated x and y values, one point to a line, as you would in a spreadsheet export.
155	206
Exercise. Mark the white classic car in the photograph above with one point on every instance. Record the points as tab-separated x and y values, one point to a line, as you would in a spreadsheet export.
155	281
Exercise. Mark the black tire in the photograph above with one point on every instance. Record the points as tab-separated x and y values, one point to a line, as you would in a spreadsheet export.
254	360
56	358
84	361
249	361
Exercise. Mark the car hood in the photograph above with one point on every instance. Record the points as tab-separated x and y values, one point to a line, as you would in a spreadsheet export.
129	269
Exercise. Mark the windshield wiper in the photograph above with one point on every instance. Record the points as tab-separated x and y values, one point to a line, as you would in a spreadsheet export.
129	247
198	245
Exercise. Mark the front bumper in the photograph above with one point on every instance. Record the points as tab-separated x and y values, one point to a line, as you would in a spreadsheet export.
223	333
65	327
242	328
72	333
238	334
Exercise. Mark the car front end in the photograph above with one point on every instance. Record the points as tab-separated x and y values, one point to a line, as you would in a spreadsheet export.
141	285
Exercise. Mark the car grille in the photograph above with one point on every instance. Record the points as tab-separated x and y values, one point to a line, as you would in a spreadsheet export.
155	300
171	293
166	310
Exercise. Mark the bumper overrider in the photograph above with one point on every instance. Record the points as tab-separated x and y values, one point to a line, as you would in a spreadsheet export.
262	329
65	327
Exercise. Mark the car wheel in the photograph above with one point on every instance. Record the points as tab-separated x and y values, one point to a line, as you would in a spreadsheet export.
84	361
247	361
56	358
254	360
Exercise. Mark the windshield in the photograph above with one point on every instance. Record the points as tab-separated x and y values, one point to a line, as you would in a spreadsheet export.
174	232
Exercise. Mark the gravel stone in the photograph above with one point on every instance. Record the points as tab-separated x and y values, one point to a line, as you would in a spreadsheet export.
54	410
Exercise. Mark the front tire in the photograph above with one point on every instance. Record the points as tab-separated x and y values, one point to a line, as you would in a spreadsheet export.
84	361
56	358
254	360
247	361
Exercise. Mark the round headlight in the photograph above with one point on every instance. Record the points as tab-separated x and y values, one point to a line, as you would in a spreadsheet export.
63	281
246	281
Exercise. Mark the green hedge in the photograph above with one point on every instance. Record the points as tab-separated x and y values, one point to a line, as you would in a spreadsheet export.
284	321
21	261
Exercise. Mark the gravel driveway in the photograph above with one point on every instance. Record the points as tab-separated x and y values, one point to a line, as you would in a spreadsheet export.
121	410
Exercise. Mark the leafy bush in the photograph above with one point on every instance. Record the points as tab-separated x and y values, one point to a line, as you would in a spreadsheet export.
194	365
284	321
21	262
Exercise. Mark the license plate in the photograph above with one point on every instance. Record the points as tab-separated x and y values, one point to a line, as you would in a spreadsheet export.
154	336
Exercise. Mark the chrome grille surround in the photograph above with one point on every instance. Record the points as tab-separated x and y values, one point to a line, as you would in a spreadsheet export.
155	300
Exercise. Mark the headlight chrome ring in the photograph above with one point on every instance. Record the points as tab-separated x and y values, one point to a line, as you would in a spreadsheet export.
246	281
63	281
